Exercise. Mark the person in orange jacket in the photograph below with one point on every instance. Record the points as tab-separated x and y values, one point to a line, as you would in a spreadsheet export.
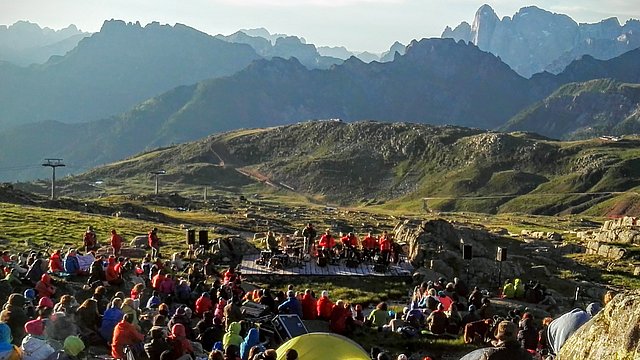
116	242
125	333
324	306
349	245
44	287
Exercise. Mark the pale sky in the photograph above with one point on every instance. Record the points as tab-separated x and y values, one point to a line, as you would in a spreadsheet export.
359	25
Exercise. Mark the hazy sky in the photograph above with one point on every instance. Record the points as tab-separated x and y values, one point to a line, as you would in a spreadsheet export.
371	25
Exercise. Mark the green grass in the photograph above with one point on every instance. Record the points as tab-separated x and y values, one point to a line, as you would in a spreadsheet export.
396	344
59	227
364	291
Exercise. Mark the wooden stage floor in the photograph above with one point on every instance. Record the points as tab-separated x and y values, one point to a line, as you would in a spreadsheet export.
310	268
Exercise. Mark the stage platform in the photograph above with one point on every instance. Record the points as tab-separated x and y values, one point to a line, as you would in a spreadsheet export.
310	268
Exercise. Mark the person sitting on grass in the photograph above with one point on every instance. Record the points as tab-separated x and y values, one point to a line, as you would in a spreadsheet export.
111	274
324	306
291	305
72	265
379	317
55	262
437	321
44	287
110	319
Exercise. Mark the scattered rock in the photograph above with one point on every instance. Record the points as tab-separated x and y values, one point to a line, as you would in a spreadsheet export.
140	242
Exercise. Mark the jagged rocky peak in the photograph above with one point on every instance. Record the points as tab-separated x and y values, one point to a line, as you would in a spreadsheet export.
484	24
396	48
534	40
461	32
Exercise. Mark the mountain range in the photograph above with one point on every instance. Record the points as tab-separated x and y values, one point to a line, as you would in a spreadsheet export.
398	165
113	70
432	83
25	43
130	88
285	47
535	40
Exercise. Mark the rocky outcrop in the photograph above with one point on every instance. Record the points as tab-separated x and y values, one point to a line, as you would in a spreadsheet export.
625	230
612	334
608	251
533	39
425	239
434	249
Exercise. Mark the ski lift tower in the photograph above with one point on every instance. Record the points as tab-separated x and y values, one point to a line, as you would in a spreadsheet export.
53	164
157	174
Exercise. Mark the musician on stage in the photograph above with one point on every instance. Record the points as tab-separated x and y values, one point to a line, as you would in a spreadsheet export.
309	234
370	246
349	245
326	244
386	244
272	243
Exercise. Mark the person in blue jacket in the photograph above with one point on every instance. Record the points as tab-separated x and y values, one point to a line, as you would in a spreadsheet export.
291	305
111	318
71	264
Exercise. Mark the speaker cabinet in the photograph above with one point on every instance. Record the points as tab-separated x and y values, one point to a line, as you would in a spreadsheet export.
203	237
501	255
288	326
191	237
467	252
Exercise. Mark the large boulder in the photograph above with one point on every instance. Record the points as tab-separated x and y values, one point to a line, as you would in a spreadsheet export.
612	334
426	239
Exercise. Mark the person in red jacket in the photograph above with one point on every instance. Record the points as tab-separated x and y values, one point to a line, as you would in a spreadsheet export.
203	304
125	333
349	245
324	306
116	242
309	306
327	244
370	246
157	280
338	318
111	274
44	287
154	243
385	247
55	262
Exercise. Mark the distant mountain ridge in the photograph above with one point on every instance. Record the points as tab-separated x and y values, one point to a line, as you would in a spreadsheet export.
583	110
534	40
286	47
412	166
25	43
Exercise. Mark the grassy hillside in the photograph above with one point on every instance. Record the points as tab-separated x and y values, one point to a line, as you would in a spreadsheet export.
390	166
583	110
